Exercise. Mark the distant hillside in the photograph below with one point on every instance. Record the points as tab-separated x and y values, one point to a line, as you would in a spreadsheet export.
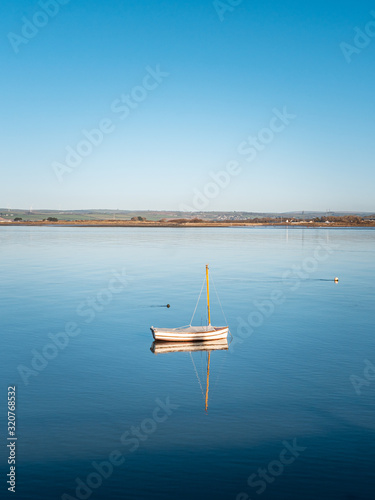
127	215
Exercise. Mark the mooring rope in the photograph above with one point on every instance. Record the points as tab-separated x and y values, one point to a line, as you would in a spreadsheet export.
218	298
196	373
197	302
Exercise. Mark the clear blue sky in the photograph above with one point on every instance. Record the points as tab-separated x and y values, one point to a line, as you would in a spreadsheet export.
225	78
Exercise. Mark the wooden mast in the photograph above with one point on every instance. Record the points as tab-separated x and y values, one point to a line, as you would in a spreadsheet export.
208	297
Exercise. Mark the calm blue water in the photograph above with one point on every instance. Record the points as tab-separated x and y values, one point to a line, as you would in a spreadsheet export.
285	380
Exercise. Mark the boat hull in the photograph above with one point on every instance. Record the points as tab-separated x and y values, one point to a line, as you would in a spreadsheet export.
160	347
191	334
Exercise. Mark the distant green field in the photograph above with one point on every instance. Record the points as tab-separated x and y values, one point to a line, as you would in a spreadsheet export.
38	215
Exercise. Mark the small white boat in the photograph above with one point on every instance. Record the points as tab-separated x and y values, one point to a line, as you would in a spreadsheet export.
192	333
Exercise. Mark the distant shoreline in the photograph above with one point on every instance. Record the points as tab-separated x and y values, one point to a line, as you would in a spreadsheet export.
156	224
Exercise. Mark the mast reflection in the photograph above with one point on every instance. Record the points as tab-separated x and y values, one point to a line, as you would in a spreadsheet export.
160	347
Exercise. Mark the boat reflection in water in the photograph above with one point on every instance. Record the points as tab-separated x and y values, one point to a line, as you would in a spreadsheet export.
161	347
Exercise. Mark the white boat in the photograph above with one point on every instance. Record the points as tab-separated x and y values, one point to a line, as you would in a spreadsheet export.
192	333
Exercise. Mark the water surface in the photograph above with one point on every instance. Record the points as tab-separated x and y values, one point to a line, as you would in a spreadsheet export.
298	338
